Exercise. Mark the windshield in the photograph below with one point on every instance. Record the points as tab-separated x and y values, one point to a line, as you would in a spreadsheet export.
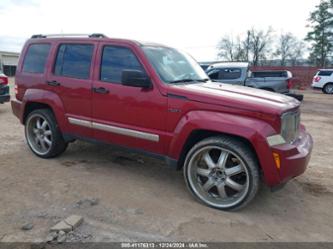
174	66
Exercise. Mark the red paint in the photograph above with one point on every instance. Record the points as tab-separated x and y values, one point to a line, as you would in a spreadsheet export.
3	80
243	112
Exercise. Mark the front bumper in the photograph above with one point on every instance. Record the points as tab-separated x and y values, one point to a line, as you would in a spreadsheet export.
4	94
294	157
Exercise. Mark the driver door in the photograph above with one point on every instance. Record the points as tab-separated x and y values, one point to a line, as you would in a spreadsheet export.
125	115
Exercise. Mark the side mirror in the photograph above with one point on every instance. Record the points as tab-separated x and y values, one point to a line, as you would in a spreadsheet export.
135	78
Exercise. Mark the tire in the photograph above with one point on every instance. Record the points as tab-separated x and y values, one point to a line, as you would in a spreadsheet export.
328	88
228	178
43	135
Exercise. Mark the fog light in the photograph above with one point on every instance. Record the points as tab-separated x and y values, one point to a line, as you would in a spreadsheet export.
277	160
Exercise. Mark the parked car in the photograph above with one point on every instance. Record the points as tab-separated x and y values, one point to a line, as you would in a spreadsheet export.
239	73
4	88
323	80
157	100
204	66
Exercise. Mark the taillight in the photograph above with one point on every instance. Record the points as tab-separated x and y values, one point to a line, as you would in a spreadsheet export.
289	83
15	89
3	80
317	79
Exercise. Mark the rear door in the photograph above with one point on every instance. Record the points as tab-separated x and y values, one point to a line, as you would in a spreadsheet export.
71	78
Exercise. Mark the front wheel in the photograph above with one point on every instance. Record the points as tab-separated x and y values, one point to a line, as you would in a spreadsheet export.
222	173
43	135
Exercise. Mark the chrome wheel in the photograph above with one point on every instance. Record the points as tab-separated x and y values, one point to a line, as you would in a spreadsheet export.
329	88
218	177
39	134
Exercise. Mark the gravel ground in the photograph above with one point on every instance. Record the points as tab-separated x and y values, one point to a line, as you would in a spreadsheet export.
128	197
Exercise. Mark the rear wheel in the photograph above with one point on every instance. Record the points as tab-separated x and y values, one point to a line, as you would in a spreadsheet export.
328	88
43	135
222	173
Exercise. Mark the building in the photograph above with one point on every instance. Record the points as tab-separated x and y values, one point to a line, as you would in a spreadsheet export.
8	62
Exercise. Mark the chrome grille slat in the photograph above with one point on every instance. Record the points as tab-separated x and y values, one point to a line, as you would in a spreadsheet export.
290	126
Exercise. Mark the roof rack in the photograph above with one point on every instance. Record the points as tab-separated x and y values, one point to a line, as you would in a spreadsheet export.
94	35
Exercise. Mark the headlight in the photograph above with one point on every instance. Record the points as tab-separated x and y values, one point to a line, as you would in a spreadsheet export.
290	122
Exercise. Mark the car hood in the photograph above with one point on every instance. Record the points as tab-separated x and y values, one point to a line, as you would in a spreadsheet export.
239	97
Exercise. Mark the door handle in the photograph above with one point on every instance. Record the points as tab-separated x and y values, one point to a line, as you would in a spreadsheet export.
101	90
53	83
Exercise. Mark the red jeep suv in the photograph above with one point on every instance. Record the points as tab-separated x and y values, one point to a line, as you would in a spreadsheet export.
157	100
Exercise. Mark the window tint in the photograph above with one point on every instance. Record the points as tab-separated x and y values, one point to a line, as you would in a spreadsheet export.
263	74
35	58
214	74
325	73
230	73
115	60
74	60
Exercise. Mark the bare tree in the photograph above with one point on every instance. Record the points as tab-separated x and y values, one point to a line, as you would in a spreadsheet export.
285	47
259	45
297	52
246	45
232	49
226	48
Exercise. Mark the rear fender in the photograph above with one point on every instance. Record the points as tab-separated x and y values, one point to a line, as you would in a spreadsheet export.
48	98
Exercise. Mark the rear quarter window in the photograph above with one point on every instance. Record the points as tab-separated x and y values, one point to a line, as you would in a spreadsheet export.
35	58
325	73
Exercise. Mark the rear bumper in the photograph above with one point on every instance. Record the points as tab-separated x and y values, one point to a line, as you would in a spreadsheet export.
16	108
294	157
4	94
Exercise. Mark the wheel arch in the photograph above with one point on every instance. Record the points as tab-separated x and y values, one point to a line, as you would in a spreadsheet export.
200	134
32	106
198	125
38	99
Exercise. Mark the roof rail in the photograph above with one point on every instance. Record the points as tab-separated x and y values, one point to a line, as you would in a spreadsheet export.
94	35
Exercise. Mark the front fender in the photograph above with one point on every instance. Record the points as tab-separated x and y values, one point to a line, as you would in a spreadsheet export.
253	130
48	98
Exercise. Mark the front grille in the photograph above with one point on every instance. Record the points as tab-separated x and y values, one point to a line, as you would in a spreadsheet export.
290	126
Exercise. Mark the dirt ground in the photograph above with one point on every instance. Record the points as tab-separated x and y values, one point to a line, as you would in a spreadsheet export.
128	197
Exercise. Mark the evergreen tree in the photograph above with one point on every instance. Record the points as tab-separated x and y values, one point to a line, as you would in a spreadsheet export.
320	36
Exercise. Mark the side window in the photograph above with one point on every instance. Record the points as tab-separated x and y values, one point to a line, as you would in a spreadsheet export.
115	60
214	74
74	60
35	58
230	74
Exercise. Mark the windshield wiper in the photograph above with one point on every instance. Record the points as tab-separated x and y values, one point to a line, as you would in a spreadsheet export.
188	80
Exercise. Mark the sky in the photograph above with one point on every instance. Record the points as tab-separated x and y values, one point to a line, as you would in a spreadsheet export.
192	25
